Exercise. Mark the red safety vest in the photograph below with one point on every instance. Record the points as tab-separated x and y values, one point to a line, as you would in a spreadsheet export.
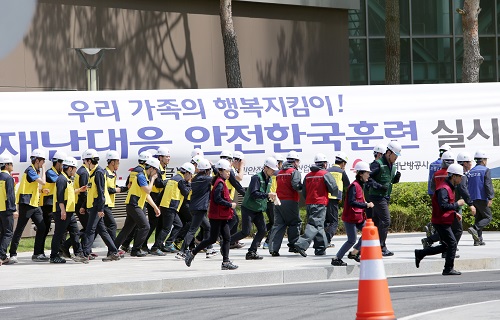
284	182
439	216
216	211
354	214
317	192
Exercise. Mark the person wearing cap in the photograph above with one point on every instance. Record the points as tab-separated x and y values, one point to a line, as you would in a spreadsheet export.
270	204
8	210
156	223
113	160
201	184
384	174
378	152
176	191
317	185
287	215
444	211
46	197
63	212
332	210
27	199
253	205
482	193
140	186
96	201
353	216
220	211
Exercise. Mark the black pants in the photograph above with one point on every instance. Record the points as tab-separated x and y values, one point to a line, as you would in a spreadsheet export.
171	225
186	218
270	217
483	216
448	244
83	218
247	218
96	225
60	228
153	223
27	212
331	219
233	223
136	217
217	227
6	232
457	229
110	222
47	219
199	219
382	219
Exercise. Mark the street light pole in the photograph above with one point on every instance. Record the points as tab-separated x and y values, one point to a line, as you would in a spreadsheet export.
91	69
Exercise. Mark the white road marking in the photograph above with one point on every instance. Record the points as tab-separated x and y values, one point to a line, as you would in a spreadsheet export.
418	315
2	308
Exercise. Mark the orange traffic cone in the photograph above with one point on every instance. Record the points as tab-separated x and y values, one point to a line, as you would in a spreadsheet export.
374	299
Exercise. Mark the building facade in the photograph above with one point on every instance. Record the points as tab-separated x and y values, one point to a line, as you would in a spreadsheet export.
431	41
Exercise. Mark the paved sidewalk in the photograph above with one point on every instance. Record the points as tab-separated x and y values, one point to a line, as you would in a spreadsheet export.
30	281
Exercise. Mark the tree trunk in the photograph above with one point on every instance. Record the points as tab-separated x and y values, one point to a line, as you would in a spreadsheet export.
392	42
472	56
231	53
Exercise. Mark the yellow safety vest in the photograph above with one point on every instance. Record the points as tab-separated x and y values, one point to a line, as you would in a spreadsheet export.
136	196
163	176
69	196
172	197
338	179
28	192
48	185
111	183
3	193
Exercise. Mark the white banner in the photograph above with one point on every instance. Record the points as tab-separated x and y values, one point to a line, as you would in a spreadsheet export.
258	122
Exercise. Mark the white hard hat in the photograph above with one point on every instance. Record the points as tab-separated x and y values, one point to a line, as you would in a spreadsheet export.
145	155
320	157
448	155
196	159
59	155
238	155
395	147
293	155
204	164
445	147
38	153
380	148
226	153
90	154
455	168
188	167
362	166
162	151
279	157
341	156
271	162
464	156
153	162
112	155
197	151
480	154
70	162
4	159
223	164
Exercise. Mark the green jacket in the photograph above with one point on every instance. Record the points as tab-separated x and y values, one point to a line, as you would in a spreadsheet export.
256	200
383	175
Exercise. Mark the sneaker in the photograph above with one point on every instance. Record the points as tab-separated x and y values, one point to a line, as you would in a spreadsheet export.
387	253
301	251
91	257
236	245
338	262
121	253
157	252
252	255
138	253
57	259
474	235
5	261
180	255
426	243
95	255
126	248
428	230
354	257
13	259
228	266
292	250
211	253
64	252
265	245
146	250
274	253
331	245
188	258
451	272
111	257
80	258
418	258
39	258
170	249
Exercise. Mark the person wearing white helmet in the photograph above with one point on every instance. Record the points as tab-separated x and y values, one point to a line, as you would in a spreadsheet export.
435	166
279	157
197	152
201	185
353	215
317	185
96	201
8	210
271	207
444	211
46	197
64	209
220	210
332	210
482	193
384	174
176	192
253	206
27	198
287	215
238	164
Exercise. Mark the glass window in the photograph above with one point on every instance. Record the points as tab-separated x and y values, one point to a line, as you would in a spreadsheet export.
431	17
405	72
487	70
357	61
486	17
432	60
357	24
377	61
376	17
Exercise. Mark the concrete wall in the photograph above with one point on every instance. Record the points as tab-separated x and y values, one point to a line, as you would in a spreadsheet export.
173	44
